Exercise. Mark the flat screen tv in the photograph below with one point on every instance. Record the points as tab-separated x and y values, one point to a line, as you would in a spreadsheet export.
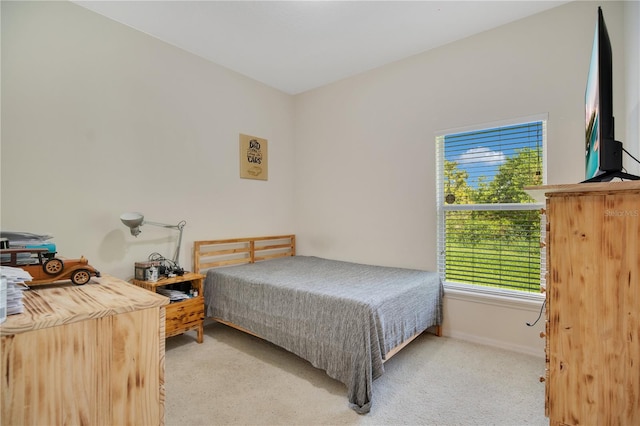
603	153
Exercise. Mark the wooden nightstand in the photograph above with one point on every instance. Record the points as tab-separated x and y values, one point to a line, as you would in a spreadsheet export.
186	314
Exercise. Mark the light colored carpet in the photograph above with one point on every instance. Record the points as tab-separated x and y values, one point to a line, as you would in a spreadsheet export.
236	379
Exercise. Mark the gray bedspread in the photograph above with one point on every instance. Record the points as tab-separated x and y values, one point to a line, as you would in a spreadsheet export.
341	317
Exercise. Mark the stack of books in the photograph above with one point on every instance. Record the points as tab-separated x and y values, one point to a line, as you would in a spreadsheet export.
13	284
27	239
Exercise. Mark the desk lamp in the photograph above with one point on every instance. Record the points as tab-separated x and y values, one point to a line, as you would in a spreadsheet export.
135	220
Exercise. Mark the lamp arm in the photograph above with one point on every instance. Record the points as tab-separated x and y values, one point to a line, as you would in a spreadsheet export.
163	225
179	227
177	255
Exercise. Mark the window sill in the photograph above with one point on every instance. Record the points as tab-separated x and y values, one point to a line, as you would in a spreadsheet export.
494	296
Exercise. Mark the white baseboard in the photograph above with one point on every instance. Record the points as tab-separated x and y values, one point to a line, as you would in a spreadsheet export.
495	343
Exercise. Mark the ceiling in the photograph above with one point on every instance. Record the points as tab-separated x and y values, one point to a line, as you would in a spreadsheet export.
295	46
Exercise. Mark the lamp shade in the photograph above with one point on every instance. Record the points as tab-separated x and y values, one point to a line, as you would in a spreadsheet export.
133	220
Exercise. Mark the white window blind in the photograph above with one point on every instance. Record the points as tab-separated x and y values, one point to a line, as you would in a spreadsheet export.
489	229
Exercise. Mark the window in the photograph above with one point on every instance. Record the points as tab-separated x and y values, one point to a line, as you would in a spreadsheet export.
489	229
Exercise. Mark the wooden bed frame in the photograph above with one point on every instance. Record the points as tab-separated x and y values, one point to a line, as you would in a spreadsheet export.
210	254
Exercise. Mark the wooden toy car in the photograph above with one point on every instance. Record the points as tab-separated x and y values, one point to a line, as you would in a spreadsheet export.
45	268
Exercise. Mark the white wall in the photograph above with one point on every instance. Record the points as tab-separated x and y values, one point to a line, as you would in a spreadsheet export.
365	151
99	119
631	89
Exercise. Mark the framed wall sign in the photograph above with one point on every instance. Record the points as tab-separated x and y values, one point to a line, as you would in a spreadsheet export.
253	158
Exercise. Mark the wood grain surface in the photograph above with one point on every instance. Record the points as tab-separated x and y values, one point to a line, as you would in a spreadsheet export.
593	305
92	354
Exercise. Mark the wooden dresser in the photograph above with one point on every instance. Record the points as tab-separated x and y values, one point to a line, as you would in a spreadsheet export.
593	304
91	354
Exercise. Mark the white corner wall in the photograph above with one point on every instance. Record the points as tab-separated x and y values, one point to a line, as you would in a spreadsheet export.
99	119
365	149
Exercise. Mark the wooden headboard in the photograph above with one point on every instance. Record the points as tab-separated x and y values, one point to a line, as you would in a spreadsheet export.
216	253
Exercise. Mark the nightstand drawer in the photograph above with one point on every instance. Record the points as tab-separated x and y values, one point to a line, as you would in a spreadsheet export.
181	316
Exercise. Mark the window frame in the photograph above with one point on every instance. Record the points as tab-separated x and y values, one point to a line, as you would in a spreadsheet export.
475	292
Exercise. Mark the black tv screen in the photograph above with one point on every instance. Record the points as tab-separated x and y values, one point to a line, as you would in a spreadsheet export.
603	152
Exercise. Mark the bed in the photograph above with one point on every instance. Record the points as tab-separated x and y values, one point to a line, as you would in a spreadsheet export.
344	318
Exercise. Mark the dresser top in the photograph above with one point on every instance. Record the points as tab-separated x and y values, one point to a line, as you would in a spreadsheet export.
63	303
539	193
